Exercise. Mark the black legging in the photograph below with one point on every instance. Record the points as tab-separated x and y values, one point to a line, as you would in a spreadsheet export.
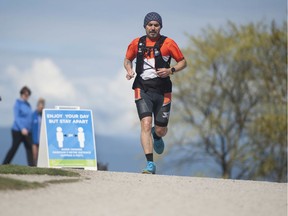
17	139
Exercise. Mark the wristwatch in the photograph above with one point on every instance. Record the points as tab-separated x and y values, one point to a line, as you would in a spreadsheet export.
173	70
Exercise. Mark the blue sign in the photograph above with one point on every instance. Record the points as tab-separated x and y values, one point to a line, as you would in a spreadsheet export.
70	138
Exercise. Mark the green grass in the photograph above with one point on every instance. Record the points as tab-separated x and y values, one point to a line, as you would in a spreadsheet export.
26	170
13	184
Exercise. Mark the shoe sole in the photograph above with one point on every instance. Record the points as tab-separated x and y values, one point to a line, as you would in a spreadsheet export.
147	172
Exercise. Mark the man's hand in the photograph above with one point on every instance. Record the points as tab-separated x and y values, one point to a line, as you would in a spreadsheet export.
128	66
130	75
163	72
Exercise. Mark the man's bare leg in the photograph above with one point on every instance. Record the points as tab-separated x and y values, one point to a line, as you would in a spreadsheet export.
146	138
160	131
147	144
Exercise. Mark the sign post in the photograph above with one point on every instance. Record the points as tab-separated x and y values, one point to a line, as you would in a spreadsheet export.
67	139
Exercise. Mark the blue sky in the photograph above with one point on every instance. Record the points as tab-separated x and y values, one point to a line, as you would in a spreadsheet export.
71	52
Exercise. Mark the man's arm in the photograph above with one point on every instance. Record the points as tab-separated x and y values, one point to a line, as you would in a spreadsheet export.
129	68
165	72
179	66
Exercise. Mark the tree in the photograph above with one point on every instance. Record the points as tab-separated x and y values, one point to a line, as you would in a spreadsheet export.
232	98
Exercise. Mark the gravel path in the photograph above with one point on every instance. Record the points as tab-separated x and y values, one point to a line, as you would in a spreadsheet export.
124	194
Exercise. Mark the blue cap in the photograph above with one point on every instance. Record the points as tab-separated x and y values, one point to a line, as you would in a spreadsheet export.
152	16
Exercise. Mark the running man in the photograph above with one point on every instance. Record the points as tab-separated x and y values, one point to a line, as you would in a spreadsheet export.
152	85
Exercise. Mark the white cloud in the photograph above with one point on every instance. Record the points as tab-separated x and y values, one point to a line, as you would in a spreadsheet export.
45	79
111	98
123	100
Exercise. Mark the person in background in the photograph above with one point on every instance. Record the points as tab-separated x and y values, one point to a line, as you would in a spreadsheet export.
152	85
21	129
36	125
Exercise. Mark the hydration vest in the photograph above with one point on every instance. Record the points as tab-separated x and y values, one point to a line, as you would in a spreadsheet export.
161	85
142	49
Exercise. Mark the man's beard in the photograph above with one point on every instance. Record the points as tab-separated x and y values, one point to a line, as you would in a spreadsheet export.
153	34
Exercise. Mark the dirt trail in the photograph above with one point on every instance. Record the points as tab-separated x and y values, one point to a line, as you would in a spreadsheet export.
125	194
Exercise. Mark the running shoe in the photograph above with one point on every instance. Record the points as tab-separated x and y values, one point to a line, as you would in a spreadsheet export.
150	168
158	144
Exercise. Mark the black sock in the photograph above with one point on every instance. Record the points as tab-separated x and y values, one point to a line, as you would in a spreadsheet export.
149	157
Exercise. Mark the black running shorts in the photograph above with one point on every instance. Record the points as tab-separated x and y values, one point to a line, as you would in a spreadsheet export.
153	102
